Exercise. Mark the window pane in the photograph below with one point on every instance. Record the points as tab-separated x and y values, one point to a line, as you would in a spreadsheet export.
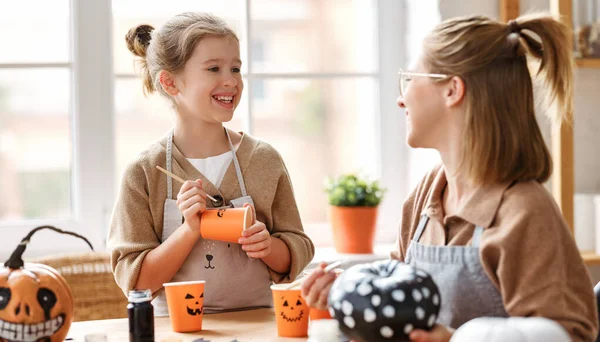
35	144
35	31
321	128
314	36
142	120
130	13
421	18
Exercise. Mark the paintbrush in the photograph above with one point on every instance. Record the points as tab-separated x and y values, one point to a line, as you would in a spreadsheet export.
181	180
327	269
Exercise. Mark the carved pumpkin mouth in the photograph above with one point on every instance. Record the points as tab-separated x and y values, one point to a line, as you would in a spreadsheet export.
193	312
290	319
30	332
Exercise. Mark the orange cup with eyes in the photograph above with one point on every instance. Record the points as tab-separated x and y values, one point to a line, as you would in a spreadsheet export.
185	301
225	224
291	311
316	314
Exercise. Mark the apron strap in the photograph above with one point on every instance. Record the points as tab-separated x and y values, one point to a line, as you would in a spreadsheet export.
169	179
236	163
476	236
421	227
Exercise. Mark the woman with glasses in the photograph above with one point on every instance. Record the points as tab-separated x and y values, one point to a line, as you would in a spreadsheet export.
482	222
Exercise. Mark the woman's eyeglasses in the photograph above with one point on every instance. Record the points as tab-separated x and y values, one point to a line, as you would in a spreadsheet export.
404	78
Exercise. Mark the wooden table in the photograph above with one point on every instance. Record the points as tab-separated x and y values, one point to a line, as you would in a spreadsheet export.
253	325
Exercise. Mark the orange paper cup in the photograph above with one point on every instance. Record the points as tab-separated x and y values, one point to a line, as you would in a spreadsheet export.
225	224
291	311
317	314
185	301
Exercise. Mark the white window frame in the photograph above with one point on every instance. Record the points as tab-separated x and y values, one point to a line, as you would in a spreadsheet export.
92	126
93	121
394	153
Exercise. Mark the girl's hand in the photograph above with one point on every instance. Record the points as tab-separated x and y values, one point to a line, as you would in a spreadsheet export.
256	240
191	201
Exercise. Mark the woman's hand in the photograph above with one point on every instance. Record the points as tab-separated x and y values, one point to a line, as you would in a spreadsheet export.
316	287
439	333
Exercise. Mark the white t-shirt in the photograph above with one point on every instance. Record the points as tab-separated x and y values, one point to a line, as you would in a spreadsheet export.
213	168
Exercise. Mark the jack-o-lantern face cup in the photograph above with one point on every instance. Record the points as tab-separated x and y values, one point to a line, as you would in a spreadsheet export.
35	300
185	301
291	311
225	224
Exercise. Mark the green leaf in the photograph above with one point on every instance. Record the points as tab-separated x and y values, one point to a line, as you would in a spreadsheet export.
353	190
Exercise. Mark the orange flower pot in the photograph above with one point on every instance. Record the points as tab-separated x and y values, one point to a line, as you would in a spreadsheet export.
353	229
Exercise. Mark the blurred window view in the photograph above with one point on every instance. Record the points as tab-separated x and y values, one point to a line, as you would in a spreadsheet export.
35	118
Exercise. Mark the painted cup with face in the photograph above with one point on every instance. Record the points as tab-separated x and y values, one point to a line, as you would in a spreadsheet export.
225	224
185	301
291	311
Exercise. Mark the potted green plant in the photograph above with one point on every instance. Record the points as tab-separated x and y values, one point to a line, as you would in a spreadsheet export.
353	209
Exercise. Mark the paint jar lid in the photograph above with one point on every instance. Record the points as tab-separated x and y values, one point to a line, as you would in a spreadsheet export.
139	296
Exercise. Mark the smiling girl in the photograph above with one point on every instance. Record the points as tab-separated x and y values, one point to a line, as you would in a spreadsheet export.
194	62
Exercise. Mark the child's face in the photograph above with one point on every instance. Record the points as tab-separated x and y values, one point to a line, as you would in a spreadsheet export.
210	85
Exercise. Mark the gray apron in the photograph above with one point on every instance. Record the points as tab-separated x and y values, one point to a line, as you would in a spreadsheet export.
233	280
465	289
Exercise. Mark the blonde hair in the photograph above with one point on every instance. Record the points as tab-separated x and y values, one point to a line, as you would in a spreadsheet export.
170	47
502	139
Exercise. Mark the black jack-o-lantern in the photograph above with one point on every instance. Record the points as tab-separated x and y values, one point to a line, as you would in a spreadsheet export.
36	304
384	301
193	304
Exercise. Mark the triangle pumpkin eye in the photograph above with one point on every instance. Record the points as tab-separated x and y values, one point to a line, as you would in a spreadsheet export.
298	302
202	295
285	303
189	296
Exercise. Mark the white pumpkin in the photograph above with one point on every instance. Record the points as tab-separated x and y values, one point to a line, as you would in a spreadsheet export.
514	329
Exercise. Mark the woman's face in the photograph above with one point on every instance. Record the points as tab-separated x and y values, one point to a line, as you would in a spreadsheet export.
425	108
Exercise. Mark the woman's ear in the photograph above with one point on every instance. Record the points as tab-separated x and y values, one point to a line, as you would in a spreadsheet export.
167	82
454	91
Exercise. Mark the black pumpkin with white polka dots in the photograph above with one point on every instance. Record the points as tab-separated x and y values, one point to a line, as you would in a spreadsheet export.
384	301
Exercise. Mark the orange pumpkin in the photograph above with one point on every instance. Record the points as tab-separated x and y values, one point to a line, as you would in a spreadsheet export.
35	300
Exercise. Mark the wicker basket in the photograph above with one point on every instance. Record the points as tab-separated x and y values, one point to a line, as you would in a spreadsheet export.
96	295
